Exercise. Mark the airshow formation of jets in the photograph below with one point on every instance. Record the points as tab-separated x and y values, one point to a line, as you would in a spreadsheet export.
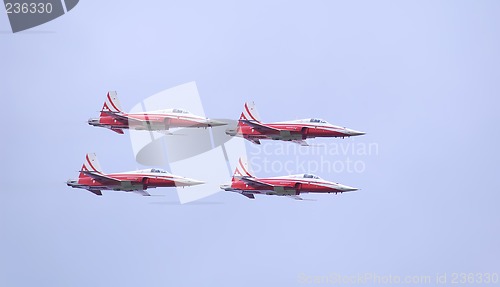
249	127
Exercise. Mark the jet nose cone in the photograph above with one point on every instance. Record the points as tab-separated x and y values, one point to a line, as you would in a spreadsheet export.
215	123
354	132
191	182
347	188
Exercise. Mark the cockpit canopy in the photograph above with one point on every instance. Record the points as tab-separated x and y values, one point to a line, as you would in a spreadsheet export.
157	170
317	121
308	176
152	170
311	176
179	111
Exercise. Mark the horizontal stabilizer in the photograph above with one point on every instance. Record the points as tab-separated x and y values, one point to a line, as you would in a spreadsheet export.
249	195
96	192
118	131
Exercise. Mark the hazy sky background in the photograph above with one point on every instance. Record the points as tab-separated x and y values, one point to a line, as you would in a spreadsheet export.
420	77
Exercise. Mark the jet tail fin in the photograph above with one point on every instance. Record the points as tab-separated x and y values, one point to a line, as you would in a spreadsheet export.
242	169
250	112
111	104
90	164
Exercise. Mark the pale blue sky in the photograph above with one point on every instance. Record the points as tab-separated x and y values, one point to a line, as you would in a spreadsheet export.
420	77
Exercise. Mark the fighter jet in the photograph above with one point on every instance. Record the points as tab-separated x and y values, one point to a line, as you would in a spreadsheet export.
244	183
251	128
113	118
94	180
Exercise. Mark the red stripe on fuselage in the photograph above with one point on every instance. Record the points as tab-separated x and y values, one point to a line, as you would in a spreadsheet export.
169	116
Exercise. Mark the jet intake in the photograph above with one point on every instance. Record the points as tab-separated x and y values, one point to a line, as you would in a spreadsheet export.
298	186
305	132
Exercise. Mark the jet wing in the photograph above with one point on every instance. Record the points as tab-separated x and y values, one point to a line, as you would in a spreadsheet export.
259	126
254	182
100	177
123	118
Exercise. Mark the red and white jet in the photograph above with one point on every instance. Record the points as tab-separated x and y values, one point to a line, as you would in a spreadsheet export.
113	118
244	183
251	128
94	180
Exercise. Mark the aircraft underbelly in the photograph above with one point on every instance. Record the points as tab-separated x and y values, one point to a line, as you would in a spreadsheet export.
127	186
286	136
